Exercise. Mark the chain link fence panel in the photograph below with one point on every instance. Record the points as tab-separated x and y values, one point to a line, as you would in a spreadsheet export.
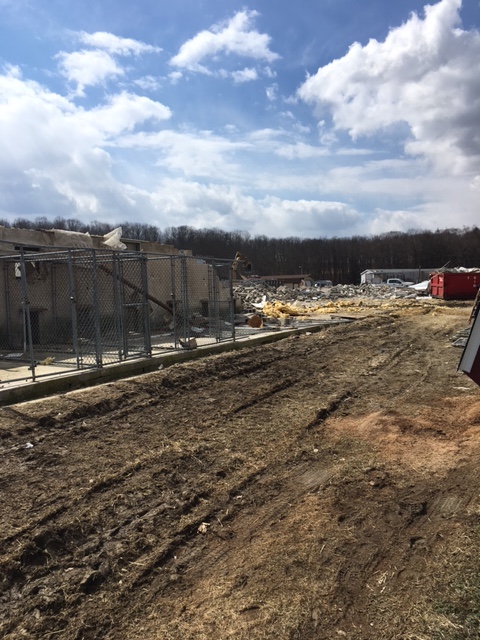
84	308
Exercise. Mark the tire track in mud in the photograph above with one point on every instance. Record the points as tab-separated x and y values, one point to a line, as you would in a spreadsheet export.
121	411
273	504
99	562
32	553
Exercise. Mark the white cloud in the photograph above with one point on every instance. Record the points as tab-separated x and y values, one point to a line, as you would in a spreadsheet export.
26	113
123	112
307	218
269	73
192	154
203	205
301	150
87	68
237	36
148	83
175	76
51	158
272	92
424	74
245	75
212	205
116	45
91	67
384	221
54	161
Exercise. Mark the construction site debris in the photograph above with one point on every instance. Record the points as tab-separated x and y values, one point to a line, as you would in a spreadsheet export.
461	337
255	321
279	302
190	343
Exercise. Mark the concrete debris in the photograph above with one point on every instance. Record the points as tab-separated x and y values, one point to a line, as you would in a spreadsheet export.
461	337
191	343
278	302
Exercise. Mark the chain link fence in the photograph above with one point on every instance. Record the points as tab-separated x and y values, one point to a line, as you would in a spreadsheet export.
76	309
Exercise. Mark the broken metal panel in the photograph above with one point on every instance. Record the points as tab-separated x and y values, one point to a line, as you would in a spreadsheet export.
470	360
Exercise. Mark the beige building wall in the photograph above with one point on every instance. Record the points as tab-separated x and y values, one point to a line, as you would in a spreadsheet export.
49	289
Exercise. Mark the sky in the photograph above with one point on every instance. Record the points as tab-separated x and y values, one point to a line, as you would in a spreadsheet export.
314	118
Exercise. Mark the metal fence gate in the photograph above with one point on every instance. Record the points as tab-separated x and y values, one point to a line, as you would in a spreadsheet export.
84	308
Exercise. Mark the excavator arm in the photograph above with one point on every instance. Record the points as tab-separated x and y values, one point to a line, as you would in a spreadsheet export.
241	267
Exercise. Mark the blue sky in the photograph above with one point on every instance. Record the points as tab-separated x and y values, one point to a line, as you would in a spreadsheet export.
317	118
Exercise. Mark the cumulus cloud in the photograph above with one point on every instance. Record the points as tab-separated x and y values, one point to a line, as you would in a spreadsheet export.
245	75
116	45
235	37
307	217
213	205
91	67
424	74
148	83
87	68
203	205
175	76
53	157
191	154
55	160
123	112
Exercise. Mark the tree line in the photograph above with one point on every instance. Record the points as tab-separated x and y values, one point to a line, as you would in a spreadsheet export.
338	259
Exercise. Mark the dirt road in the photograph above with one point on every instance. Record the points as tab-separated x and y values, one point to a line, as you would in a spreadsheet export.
321	487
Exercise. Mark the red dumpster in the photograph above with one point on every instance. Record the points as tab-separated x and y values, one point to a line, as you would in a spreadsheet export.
455	285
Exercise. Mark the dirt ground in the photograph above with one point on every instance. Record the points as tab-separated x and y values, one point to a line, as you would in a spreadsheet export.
321	487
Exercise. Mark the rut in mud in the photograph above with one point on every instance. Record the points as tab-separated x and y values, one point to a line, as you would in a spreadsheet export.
322	486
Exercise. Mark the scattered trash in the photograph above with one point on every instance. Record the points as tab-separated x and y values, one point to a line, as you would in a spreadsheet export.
29	445
197	329
203	528
255	322
190	343
112	240
461	337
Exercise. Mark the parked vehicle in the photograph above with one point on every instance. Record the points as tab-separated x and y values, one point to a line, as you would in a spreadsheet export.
398	282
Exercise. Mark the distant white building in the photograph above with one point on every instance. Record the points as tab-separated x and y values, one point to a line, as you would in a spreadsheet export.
377	276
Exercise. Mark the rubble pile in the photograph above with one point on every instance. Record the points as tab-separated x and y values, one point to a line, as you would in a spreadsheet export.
278	302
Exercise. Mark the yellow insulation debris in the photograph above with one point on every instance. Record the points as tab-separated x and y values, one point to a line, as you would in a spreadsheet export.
279	309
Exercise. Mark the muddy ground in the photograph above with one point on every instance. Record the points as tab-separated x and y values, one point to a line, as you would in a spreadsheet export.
321	487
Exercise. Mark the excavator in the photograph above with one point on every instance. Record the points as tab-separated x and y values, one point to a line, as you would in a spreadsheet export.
241	268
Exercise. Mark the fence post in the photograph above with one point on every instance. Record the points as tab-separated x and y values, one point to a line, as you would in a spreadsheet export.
118	296
147	336
216	305
173	300
185	303
73	308
27	324
8	309
96	311
232	303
